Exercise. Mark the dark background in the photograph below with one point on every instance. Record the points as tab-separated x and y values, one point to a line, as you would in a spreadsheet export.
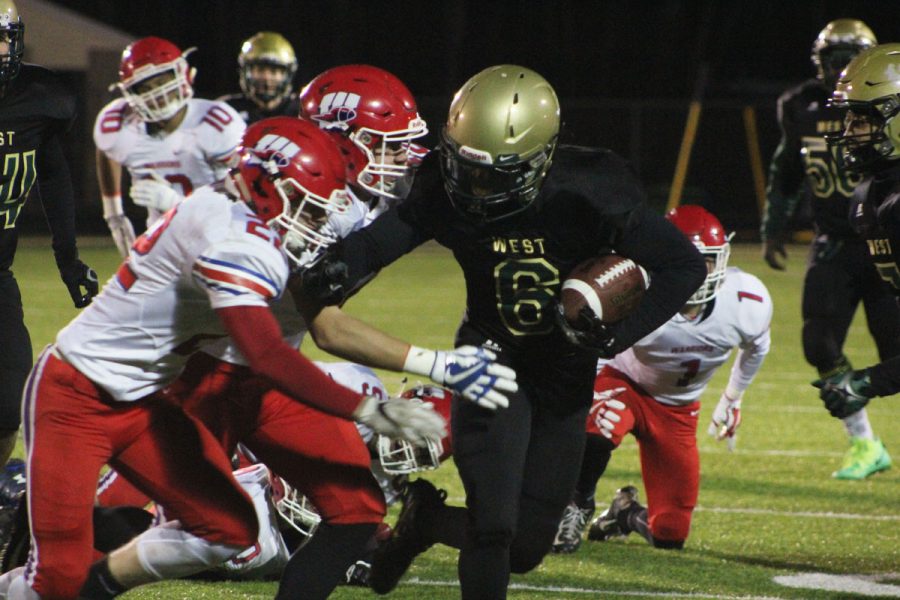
625	71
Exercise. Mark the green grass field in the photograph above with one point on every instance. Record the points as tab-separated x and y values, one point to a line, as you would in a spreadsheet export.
769	509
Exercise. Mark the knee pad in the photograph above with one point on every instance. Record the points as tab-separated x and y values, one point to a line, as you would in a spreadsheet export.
168	553
527	556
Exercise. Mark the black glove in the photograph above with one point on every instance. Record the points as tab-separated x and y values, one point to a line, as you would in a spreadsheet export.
324	282
77	275
845	393
588	332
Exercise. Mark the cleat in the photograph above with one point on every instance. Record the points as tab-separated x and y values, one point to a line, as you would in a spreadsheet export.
864	458
607	524
393	558
571	527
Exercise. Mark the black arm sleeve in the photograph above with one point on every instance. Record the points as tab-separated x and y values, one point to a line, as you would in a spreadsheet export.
886	377
367	251
785	174
57	199
676	271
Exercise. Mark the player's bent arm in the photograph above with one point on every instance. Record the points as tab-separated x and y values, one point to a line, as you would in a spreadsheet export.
257	334
109	178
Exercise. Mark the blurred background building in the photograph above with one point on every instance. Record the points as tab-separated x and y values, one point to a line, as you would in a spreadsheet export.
626	71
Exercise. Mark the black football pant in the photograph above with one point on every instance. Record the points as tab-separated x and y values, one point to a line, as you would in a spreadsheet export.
519	466
15	353
838	278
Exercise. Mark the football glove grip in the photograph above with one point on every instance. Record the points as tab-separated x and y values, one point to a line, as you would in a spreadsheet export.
607	413
845	393
597	336
325	280
401	418
122	233
726	418
469	370
81	280
154	193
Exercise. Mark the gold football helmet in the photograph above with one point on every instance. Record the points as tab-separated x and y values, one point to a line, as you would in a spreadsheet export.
12	32
870	88
271	50
498	142
837	44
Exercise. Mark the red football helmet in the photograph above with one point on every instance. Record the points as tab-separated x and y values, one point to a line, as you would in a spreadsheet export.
292	174
155	78
706	232
377	112
399	457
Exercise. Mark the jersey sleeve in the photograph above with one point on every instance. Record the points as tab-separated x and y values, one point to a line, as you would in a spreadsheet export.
240	273
108	128
785	170
754	323
221	131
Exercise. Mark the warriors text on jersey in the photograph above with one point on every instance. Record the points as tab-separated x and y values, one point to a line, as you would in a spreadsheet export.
803	163
193	155
35	109
675	363
157	310
590	203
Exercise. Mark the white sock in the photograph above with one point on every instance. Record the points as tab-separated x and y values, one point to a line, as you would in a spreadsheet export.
857	425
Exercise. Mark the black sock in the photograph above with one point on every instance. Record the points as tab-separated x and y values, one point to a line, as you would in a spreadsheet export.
116	526
318	567
100	584
597	452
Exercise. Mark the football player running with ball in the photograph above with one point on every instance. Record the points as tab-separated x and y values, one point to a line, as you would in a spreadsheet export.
35	110
110	383
516	226
869	88
839	275
652	390
170	142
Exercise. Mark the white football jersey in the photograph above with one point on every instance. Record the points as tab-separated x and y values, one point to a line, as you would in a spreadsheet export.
192	156
675	363
208	252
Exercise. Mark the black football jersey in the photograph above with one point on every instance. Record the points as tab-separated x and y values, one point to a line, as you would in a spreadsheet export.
882	238
34	111
251	112
804	164
591	203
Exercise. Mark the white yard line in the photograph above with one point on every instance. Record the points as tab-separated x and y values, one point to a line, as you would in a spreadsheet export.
789	513
552	589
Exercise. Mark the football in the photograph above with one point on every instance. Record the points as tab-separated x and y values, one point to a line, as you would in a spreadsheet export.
610	286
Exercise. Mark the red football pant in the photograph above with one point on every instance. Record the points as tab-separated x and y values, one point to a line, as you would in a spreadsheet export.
670	462
73	428
320	455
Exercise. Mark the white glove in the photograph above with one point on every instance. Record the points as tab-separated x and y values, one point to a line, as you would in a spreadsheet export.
408	419
469	370
726	418
154	193
606	411
122	233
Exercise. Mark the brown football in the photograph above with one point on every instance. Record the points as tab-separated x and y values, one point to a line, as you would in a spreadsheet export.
611	286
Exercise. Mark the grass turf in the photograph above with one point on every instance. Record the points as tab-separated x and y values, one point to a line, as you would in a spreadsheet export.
769	509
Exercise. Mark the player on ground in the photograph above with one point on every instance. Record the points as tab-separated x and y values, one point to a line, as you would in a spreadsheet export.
869	88
653	390
266	68
839	275
35	110
204	271
516	227
170	142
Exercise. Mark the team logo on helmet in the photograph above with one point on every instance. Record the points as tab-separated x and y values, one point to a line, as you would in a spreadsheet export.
337	110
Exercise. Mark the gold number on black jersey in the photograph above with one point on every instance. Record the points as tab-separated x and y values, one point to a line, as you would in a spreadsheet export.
889	273
525	289
19	174
822	173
